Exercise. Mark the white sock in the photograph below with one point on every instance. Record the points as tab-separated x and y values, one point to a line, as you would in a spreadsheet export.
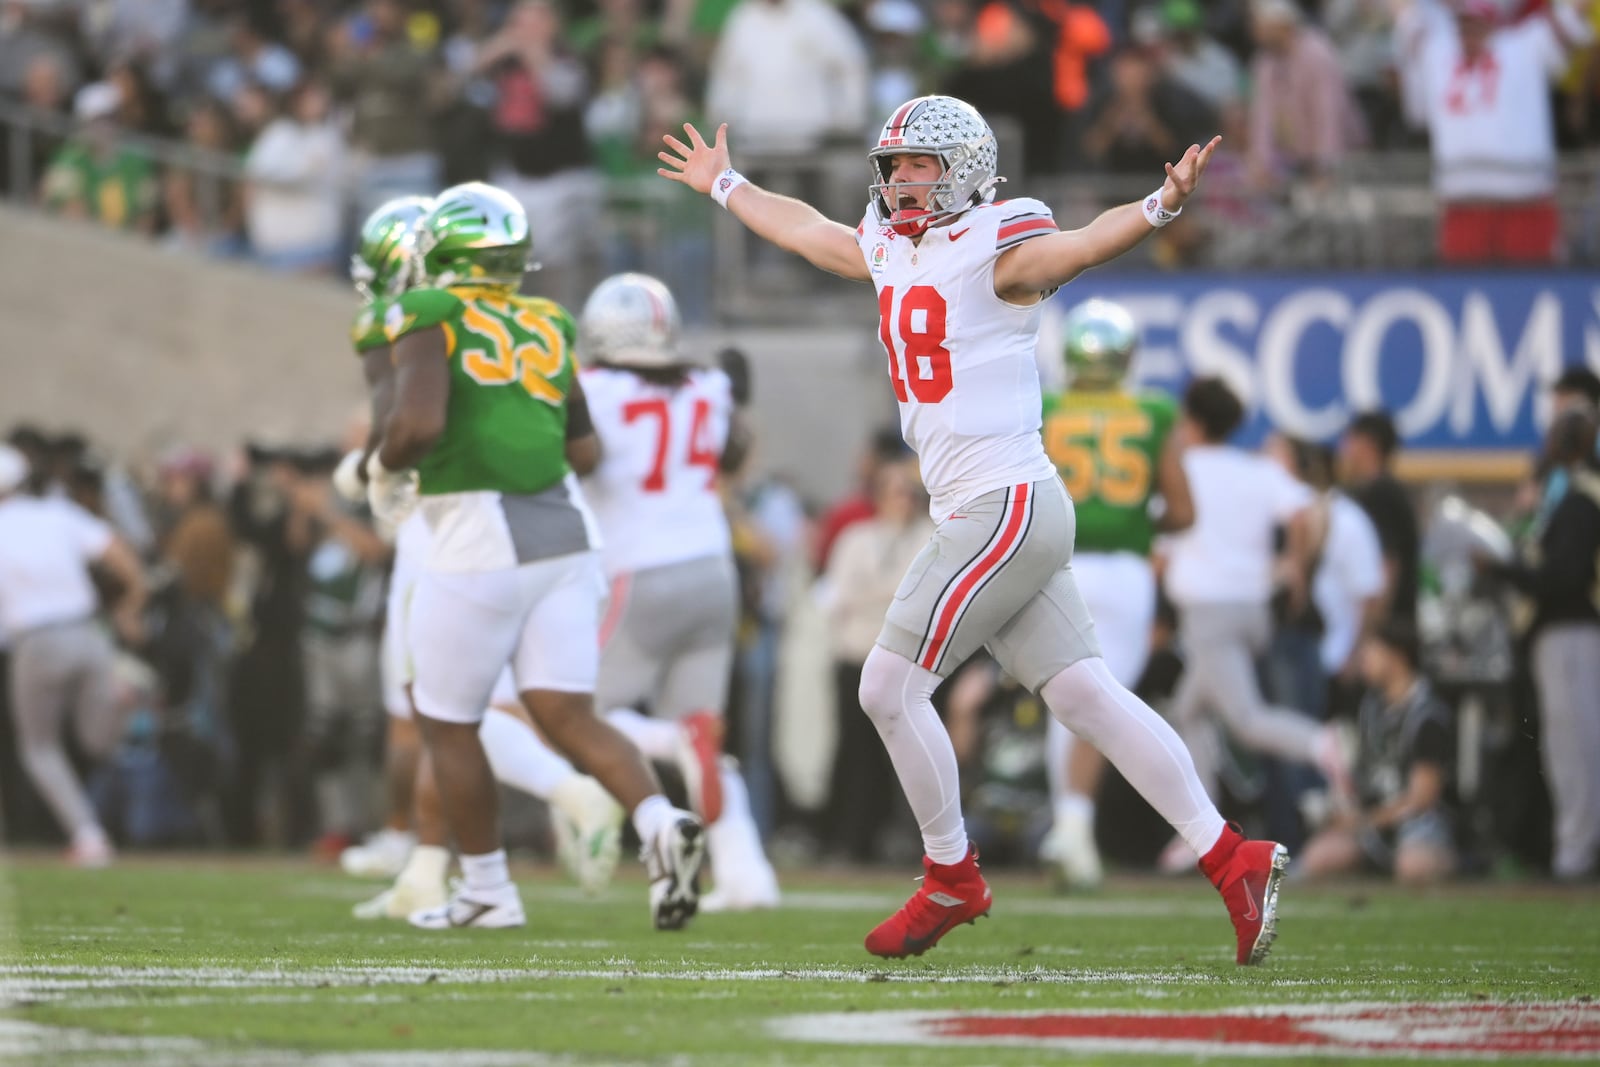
1139	744
897	696
657	739
651	815
488	871
1074	806
734	841
1058	741
519	757
427	865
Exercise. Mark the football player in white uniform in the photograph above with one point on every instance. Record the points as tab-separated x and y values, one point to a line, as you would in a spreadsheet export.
960	278
668	429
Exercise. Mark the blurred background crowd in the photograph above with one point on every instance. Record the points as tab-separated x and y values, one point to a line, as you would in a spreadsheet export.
269	128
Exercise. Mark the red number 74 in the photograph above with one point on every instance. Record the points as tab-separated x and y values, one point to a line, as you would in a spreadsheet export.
702	452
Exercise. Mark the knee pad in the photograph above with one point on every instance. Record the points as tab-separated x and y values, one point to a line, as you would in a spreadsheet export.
882	683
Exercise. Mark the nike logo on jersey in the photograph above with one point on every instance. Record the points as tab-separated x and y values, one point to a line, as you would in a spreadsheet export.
958	235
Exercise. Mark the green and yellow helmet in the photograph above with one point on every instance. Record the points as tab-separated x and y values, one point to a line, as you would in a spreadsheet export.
382	263
476	234
1100	340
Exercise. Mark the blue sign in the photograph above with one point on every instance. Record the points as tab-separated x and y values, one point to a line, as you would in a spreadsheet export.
1460	360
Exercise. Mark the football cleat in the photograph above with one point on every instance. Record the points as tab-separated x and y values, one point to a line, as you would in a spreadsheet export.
673	861
381	855
402	900
699	755
588	831
495	909
1070	851
951	894
1249	875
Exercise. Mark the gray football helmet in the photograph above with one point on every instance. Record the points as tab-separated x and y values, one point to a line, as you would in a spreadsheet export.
631	320
953	131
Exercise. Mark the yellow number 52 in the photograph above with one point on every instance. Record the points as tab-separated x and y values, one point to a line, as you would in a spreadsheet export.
1098	455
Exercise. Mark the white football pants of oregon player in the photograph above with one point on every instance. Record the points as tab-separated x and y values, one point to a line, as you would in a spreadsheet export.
411	543
1120	591
464	627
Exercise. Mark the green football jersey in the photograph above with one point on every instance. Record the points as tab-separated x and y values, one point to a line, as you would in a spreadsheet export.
369	330
1107	446
511	369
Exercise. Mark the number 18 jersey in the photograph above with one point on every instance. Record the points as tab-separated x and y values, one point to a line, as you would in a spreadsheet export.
655	493
961	360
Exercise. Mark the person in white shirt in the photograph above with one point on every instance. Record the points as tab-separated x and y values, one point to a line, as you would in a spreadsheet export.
62	663
294	204
1482	90
1219	575
793	72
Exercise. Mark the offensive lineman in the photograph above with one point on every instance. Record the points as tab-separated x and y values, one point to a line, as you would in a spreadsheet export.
586	819
485	408
1115	451
960	277
668	430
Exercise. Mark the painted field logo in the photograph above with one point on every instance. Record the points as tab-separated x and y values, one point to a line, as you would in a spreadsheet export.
1453	1031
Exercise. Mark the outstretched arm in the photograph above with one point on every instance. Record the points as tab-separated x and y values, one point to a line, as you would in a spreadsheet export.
1047	263
792	225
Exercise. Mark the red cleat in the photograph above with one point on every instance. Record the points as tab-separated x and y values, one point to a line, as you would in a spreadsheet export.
950	895
699	756
1248	874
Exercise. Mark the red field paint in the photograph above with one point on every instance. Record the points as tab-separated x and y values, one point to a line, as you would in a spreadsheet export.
1455	1031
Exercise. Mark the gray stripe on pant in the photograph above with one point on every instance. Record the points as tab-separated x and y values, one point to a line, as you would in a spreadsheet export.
59	675
545	525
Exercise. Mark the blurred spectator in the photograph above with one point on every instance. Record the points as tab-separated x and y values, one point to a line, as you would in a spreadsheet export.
295	168
857	588
1560	573
253	58
97	176
622	22
1363	32
24	37
997	728
345	567
1145	121
896	27
788	75
541	90
386	81
144	108
62	665
205	210
1303	119
1483	92
1366	458
884	448
1195	61
305	31
1405	824
145	30
44	86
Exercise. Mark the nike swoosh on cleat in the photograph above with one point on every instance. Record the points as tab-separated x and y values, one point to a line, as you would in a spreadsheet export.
916	946
478	912
1255	912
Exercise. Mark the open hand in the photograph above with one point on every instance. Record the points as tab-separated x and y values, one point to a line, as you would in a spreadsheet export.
695	164
1185	175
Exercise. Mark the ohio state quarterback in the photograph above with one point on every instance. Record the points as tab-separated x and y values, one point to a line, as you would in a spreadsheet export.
960	278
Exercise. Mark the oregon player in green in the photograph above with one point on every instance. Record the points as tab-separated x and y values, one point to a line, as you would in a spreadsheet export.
1117	454
486	409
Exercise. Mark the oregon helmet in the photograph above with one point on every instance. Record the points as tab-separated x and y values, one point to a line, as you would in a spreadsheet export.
1100	340
382	264
953	131
631	320
475	234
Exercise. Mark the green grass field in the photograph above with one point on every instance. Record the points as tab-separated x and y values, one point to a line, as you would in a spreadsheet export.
254	961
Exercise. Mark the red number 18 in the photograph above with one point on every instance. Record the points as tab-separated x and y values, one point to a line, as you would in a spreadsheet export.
921	329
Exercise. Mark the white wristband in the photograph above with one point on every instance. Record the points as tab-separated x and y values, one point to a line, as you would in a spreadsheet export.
1155	213
726	183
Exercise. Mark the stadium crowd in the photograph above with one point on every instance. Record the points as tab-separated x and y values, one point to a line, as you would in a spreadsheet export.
304	116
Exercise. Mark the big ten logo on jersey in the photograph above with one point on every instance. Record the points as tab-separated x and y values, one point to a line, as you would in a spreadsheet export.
491	354
1099	456
912	328
677	458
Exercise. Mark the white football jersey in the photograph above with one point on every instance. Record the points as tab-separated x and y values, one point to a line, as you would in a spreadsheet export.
961	360
655	492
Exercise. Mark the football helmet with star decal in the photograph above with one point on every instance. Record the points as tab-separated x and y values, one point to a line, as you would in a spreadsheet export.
954	132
